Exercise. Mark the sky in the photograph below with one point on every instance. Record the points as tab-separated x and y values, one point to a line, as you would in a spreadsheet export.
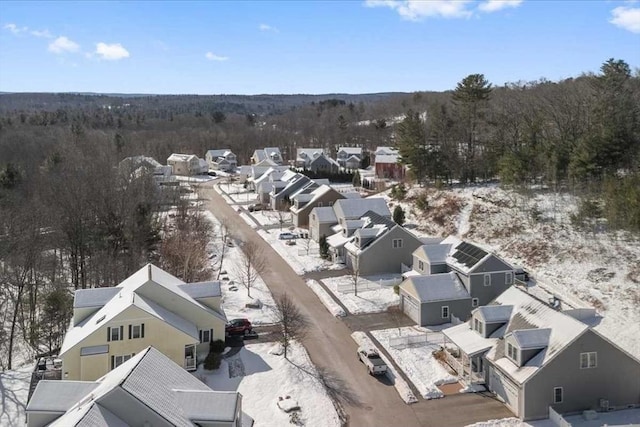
311	47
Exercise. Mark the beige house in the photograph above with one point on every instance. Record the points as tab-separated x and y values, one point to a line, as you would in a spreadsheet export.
147	390
150	308
184	164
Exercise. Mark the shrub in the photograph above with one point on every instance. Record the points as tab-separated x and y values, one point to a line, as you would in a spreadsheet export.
396	289
216	346
212	361
422	202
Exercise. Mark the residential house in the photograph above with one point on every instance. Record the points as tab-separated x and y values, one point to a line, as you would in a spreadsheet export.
270	179
151	307
321	221
138	165
483	275
271	154
302	204
304	156
325	164
378	245
387	166
184	164
292	183
147	390
349	157
223	160
535	357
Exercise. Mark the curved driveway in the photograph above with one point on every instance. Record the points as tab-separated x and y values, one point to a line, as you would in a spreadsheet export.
332	349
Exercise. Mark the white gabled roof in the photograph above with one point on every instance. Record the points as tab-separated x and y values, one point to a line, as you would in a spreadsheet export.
435	287
181	157
528	339
355	208
495	313
385	150
325	214
387	158
468	340
351	150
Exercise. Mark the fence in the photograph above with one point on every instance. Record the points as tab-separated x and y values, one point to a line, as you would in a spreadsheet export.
312	251
363	286
557	419
408	340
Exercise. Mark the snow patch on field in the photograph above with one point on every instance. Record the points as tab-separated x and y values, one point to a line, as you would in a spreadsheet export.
14	388
263	378
376	300
326	299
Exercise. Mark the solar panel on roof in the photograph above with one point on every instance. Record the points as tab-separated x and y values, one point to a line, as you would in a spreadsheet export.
468	254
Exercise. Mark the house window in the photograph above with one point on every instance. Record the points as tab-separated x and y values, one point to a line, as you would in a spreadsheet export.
512	352
474	302
420	265
477	326
588	360
508	278
487	280
558	395
205	335
136	331
119	360
445	312
397	243
115	334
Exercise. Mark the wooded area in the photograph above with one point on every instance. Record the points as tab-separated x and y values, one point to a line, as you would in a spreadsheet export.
70	218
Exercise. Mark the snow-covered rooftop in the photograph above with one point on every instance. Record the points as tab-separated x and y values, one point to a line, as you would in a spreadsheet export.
435	254
338	240
96	297
325	214
387	158
351	150
435	287
202	289
532	338
495	313
355	208
468	340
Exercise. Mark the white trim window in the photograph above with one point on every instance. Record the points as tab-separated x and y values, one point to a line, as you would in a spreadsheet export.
558	395
420	265
115	333
206	335
119	360
487	279
136	331
588	360
397	243
474	302
444	311
512	352
508	278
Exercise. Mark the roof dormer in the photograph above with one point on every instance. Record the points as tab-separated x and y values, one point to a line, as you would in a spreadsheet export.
523	345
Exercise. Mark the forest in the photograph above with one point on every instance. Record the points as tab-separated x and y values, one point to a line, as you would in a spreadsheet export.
70	218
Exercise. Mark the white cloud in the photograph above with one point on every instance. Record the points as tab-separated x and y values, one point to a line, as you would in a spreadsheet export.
627	18
213	57
15	29
416	10
111	52
266	27
44	34
496	5
62	44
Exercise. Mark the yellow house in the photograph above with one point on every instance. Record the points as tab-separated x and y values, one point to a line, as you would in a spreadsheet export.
150	308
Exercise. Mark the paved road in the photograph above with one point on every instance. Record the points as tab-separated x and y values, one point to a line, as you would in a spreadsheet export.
366	401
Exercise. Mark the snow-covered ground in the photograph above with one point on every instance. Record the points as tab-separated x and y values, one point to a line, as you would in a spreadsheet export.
628	417
263	378
266	217
326	299
377	299
599	270
14	390
417	361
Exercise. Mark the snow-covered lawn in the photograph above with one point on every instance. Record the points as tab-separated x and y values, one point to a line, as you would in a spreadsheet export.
299	263
417	361
248	220
367	301
267	217
263	378
326	299
14	390
628	417
401	385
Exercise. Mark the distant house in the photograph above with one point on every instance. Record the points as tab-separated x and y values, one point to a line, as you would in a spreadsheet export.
223	160
304	156
387	166
290	184
321	220
482	274
270	154
138	165
151	307
323	163
534	357
379	246
184	164
147	390
303	204
349	157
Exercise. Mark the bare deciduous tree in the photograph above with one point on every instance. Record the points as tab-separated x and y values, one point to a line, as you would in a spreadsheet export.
355	273
249	265
293	323
224	235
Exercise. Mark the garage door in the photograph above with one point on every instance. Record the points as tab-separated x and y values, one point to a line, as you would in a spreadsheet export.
504	388
411	308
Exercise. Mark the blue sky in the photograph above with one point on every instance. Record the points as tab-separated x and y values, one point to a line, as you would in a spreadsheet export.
305	46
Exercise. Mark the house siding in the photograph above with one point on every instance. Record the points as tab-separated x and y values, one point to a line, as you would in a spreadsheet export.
486	294
615	378
301	219
438	268
381	257
431	312
158	334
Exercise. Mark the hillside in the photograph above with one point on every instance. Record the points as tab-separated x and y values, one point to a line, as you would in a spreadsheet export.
583	268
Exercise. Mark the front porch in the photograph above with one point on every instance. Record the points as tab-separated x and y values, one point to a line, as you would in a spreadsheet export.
464	351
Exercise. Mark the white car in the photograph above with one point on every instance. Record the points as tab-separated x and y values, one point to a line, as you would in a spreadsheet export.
286	236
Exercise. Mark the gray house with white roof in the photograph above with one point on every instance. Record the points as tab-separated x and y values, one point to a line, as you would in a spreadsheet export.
267	154
223	160
303	204
147	390
483	275
534	357
349	157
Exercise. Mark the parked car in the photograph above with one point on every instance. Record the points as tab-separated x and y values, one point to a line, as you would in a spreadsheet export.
238	327
286	236
256	207
521	274
290	242
211	173
372	360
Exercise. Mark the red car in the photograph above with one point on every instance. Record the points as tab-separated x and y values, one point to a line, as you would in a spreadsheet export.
238	327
